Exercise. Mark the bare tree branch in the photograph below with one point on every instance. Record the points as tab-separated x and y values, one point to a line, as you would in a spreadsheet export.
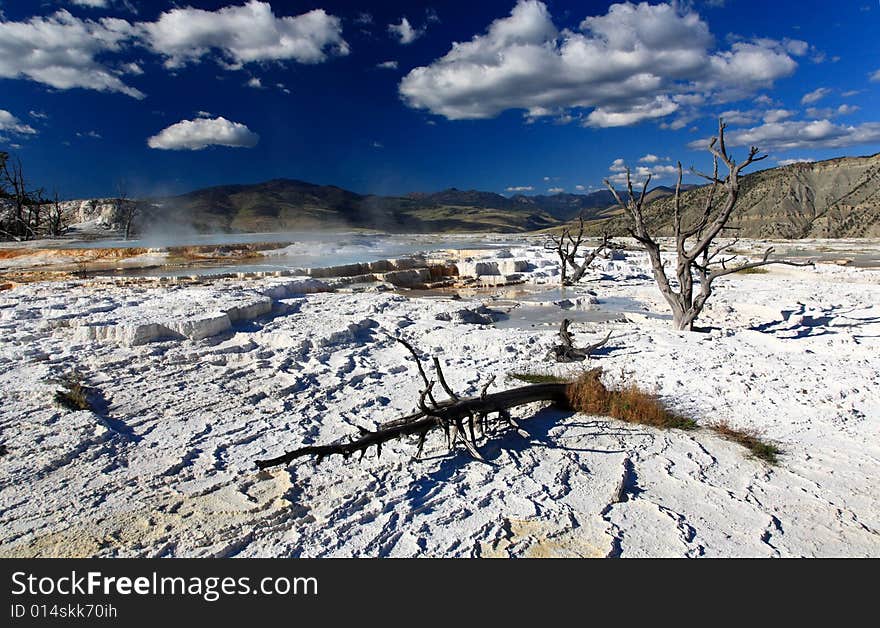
567	247
765	261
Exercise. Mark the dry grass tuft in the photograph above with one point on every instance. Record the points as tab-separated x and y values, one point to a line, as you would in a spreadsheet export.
538	378
589	395
750	439
74	395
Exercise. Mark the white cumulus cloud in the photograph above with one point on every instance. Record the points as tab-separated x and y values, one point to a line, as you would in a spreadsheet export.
203	132
663	171
10	124
801	134
776	115
61	51
830	112
65	52
243	34
635	63
105	4
735	116
405	32
520	188
656	170
815	95
845	110
796	160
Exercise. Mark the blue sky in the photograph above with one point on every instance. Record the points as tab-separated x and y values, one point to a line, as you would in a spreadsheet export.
537	96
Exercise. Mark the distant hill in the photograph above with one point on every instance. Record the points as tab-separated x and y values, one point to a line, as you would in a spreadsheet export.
569	206
837	198
285	204
834	198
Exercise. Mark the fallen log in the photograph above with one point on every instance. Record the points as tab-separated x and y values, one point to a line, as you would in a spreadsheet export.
461	419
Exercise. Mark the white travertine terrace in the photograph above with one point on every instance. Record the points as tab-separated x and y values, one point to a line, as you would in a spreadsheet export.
199	378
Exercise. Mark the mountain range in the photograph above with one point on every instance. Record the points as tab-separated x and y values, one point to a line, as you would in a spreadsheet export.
834	198
286	204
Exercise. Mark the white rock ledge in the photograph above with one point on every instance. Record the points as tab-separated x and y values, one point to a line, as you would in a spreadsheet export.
194	313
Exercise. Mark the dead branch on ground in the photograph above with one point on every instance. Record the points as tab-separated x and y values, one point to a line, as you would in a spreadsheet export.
462	419
567	352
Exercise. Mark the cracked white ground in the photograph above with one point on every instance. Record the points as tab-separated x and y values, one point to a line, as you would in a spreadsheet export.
166	466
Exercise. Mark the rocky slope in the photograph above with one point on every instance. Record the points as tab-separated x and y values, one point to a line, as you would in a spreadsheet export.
837	198
104	213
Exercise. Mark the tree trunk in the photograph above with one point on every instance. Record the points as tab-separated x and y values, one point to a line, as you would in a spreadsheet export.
683	321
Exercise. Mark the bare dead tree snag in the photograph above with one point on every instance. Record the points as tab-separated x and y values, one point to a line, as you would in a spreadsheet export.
462	419
703	258
567	352
126	209
21	219
56	222
567	247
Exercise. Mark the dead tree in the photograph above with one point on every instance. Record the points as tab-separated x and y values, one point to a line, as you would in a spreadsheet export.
567	246
567	352
462	419
5	198
56	224
24	206
126	209
702	259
